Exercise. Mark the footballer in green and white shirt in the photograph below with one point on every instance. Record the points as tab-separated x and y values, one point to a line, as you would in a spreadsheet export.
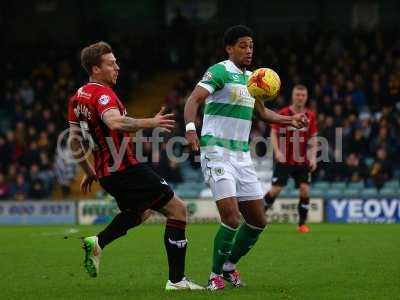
225	154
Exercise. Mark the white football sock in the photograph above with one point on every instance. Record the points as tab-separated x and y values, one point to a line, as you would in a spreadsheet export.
212	275
228	266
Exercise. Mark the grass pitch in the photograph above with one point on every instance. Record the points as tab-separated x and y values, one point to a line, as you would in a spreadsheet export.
332	262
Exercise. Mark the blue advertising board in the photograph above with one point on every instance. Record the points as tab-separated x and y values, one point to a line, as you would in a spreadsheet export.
37	212
363	210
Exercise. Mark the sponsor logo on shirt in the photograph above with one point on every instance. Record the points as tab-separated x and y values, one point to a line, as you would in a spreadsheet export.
240	95
235	77
82	94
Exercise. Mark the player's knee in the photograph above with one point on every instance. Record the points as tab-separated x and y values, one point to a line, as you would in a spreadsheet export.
231	218
231	222
304	190
275	191
260	223
182	209
176	209
145	215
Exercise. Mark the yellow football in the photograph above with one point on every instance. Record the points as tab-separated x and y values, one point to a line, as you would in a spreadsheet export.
264	84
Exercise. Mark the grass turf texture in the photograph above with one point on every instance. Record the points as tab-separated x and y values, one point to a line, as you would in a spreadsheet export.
332	262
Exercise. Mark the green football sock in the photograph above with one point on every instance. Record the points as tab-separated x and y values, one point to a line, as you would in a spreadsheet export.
246	237
223	242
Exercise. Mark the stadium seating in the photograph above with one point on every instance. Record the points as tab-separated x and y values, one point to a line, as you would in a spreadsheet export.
333	193
389	192
351	192
341	97
338	185
317	193
356	185
395	184
369	192
323	185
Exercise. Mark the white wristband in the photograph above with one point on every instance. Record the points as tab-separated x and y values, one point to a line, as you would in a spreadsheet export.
190	127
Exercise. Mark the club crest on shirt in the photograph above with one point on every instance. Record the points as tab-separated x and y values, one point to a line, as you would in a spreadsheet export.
104	99
219	171
207	76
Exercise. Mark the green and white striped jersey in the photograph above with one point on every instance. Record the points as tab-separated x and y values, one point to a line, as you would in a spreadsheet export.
228	110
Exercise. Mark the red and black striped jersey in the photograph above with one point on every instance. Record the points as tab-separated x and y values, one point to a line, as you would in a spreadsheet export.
112	149
293	143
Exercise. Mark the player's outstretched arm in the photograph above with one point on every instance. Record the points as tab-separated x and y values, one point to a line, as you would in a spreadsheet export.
115	121
78	153
195	100
267	115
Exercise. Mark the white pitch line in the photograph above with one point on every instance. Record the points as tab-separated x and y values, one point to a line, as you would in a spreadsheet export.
67	231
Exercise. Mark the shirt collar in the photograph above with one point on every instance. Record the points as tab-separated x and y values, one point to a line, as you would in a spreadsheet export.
236	68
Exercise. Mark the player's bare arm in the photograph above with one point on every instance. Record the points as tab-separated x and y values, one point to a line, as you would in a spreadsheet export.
313	142
298	120
78	152
115	121
279	156
195	100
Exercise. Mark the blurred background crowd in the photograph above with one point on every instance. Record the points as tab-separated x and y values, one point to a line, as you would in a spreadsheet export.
34	93
353	80
354	87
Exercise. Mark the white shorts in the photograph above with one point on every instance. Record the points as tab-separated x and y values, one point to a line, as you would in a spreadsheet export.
231	178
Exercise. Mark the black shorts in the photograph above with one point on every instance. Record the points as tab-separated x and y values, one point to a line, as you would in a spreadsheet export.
137	188
282	172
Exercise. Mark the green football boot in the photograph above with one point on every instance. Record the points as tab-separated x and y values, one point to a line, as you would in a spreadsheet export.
92	255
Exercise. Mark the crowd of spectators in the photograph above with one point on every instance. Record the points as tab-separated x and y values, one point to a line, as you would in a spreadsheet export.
34	92
353	82
32	115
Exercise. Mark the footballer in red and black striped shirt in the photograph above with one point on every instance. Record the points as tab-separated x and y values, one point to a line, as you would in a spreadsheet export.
295	154
86	109
96	115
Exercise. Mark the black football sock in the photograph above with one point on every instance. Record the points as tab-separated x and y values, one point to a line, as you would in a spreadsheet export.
268	201
303	207
118	227
175	245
